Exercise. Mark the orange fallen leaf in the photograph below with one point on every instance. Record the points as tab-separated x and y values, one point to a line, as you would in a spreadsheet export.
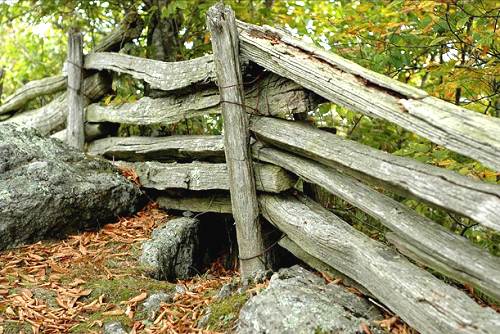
365	328
35	257
77	282
138	298
26	293
117	311
28	278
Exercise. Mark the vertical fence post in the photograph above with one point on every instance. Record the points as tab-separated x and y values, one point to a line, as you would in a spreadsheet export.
75	135
225	45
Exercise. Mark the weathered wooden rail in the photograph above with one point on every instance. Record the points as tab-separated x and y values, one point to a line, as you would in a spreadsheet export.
216	174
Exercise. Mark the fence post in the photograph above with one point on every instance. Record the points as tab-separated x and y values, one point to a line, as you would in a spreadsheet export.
75	135
225	45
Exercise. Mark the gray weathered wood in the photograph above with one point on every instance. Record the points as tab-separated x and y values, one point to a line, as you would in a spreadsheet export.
52	116
205	176
431	261
75	133
92	131
423	301
159	148
218	203
225	46
460	259
319	265
159	74
273	95
31	90
449	190
129	29
351	86
167	110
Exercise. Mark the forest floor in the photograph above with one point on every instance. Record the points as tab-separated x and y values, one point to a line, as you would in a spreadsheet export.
78	284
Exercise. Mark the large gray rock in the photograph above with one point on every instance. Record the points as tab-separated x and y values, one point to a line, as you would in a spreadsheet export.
171	253
48	189
297	302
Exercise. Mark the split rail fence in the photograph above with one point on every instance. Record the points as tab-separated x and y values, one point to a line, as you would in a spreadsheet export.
264	152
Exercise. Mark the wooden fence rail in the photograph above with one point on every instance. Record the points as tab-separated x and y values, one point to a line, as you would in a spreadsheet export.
239	175
358	89
449	190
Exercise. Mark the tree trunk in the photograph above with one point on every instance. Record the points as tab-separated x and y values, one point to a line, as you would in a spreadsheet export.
163	36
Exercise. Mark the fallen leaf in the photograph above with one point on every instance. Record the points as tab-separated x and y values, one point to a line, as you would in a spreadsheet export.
117	311
138	298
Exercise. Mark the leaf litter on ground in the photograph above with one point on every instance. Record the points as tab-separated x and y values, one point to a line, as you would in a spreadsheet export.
55	286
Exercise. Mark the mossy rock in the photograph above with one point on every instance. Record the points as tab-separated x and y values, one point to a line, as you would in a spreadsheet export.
90	324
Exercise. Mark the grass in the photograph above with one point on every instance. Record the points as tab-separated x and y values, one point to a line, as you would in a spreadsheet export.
122	289
224	313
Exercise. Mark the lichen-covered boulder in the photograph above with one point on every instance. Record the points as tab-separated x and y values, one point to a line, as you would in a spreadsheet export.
298	302
48	189
172	251
114	327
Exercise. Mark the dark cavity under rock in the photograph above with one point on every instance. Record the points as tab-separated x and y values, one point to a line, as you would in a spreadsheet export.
297	301
48	189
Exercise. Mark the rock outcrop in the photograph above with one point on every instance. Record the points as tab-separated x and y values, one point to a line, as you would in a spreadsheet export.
299	302
172	251
48	189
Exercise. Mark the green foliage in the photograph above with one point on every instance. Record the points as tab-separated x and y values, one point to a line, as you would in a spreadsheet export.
448	48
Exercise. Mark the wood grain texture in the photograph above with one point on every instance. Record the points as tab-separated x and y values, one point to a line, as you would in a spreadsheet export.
159	148
75	135
451	254
205	176
32	90
356	88
225	45
160	75
446	189
423	301
272	95
165	111
218	203
319	265
52	117
446	268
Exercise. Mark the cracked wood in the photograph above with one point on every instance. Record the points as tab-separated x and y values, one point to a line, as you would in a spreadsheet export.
32	90
159	148
423	301
353	87
52	117
205	176
272	95
444	251
446	189
160	75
